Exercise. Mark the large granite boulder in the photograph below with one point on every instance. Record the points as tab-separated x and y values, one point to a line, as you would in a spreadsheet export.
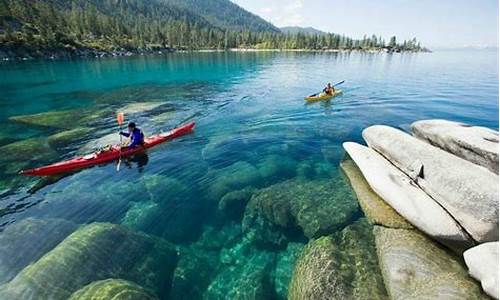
342	266
414	267
473	143
115	289
315	208
95	252
376	210
27	240
234	177
467	191
399	191
482	262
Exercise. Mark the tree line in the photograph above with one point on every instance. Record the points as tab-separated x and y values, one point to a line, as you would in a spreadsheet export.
110	25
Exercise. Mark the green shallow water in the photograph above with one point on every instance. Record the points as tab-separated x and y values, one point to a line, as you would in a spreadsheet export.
241	196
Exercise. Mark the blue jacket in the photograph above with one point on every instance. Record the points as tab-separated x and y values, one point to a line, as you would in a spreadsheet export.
136	139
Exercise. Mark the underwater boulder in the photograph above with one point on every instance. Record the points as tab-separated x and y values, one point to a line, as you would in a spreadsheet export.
139	107
25	241
64	138
116	289
316	208
95	252
21	154
276	167
234	177
142	216
247	278
415	267
63	119
285	264
233	204
342	266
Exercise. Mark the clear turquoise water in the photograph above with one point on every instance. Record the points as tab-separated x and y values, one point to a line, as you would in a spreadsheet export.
248	107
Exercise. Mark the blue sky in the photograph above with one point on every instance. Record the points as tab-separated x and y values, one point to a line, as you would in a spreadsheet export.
437	23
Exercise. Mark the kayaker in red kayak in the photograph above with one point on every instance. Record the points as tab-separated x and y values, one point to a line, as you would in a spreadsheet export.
135	134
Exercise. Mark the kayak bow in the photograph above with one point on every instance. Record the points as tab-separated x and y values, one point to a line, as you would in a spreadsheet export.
113	153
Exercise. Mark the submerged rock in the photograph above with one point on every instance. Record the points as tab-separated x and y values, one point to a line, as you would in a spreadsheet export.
314	207
343	266
64	119
275	167
233	204
95	252
376	210
234	177
21	154
142	216
27	240
416	268
482	262
476	144
467	191
399	191
248	279
64	138
115	289
285	264
140	107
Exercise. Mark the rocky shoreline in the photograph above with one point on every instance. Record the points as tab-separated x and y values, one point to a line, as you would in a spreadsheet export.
433	201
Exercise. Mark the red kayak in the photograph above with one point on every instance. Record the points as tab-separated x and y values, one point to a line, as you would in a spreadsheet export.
113	153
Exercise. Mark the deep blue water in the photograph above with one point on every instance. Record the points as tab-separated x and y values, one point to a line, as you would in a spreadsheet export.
253	130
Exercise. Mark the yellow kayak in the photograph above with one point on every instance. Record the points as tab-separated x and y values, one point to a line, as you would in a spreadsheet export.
323	96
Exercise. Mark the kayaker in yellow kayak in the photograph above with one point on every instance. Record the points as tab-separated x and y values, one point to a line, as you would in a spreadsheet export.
329	89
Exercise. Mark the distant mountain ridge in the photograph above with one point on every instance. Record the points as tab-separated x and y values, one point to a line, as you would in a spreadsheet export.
303	30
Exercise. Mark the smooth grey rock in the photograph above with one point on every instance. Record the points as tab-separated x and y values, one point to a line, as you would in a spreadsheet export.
465	190
406	198
482	262
473	143
416	268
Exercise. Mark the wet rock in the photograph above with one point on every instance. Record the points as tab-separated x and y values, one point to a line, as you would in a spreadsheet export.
467	191
399	191
245	279
27	240
342	266
314	207
414	267
21	154
139	107
285	263
376	210
233	204
95	252
234	177
64	138
473	143
482	262
275	167
116	289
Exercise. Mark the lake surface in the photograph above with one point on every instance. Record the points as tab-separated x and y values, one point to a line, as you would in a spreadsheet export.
255	138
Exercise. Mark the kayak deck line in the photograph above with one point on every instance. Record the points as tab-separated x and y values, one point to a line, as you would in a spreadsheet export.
111	154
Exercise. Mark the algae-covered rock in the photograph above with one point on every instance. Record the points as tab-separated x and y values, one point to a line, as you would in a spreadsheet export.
247	279
285	264
64	119
23	153
67	137
415	267
234	177
274	167
376	210
95	252
113	289
343	266
232	205
139	107
315	207
27	240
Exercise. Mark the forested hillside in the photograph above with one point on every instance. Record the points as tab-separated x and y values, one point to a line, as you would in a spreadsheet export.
76	27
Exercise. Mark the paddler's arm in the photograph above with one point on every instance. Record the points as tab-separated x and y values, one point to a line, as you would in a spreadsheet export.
125	134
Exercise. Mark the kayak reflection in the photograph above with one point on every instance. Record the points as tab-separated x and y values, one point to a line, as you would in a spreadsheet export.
140	159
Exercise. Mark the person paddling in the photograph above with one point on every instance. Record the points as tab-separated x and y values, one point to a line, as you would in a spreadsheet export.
329	89
135	134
